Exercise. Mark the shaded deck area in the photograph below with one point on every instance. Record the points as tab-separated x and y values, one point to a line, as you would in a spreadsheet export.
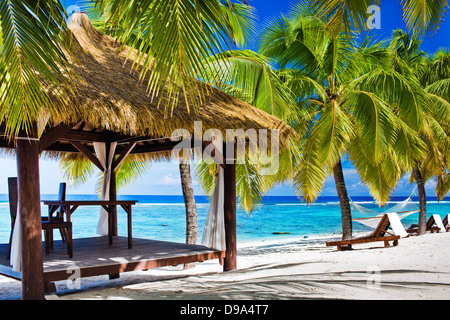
94	256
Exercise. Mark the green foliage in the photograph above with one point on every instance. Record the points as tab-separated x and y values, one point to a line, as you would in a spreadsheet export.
250	77
420	16
355	99
173	37
34	71
384	104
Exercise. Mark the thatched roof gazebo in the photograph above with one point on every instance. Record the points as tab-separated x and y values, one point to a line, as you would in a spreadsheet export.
112	109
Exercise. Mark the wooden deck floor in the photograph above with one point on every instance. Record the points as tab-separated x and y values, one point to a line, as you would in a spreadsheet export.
93	256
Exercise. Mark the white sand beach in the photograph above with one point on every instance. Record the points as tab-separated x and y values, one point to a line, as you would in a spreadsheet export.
418	268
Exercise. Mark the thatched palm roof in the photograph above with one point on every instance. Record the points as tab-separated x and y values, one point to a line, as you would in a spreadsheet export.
111	97
112	104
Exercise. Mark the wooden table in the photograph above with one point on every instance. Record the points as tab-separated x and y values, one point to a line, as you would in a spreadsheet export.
69	206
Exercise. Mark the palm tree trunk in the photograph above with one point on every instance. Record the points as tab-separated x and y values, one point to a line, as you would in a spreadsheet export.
191	209
422	227
346	214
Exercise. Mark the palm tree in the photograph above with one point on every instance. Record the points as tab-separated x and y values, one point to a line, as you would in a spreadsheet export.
437	84
191	208
420	16
432	74
342	108
436	163
247	80
407	57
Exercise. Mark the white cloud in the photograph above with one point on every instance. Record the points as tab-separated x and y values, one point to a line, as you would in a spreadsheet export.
350	172
169	180
431	184
357	186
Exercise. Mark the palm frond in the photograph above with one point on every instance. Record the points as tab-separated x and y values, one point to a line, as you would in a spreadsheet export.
293	42
440	88
310	172
250	183
250	78
443	185
343	16
322	149
241	18
76	168
33	64
205	174
376	122
424	16
173	37
131	169
420	16
404	94
379	177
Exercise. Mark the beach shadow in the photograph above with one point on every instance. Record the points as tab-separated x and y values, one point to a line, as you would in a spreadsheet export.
267	282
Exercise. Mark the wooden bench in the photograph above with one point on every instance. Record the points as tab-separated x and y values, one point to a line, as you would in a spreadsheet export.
347	244
429	227
377	235
446	223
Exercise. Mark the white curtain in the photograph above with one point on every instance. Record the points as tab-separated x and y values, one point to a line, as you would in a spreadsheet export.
214	232
16	245
16	240
106	162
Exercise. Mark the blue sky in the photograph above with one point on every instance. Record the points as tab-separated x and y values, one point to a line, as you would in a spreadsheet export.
163	178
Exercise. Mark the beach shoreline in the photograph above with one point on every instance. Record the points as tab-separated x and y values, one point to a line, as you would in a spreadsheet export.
285	268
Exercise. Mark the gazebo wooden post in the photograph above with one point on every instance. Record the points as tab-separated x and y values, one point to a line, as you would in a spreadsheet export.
230	261
32	268
113	197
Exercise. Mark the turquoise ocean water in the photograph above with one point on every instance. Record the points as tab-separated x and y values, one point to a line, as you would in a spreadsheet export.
163	217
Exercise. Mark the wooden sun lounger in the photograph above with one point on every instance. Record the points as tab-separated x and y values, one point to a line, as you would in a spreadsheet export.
446	223
377	235
430	227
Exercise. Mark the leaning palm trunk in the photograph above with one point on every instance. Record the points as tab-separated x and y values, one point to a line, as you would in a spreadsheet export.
191	209
346	214
422	202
